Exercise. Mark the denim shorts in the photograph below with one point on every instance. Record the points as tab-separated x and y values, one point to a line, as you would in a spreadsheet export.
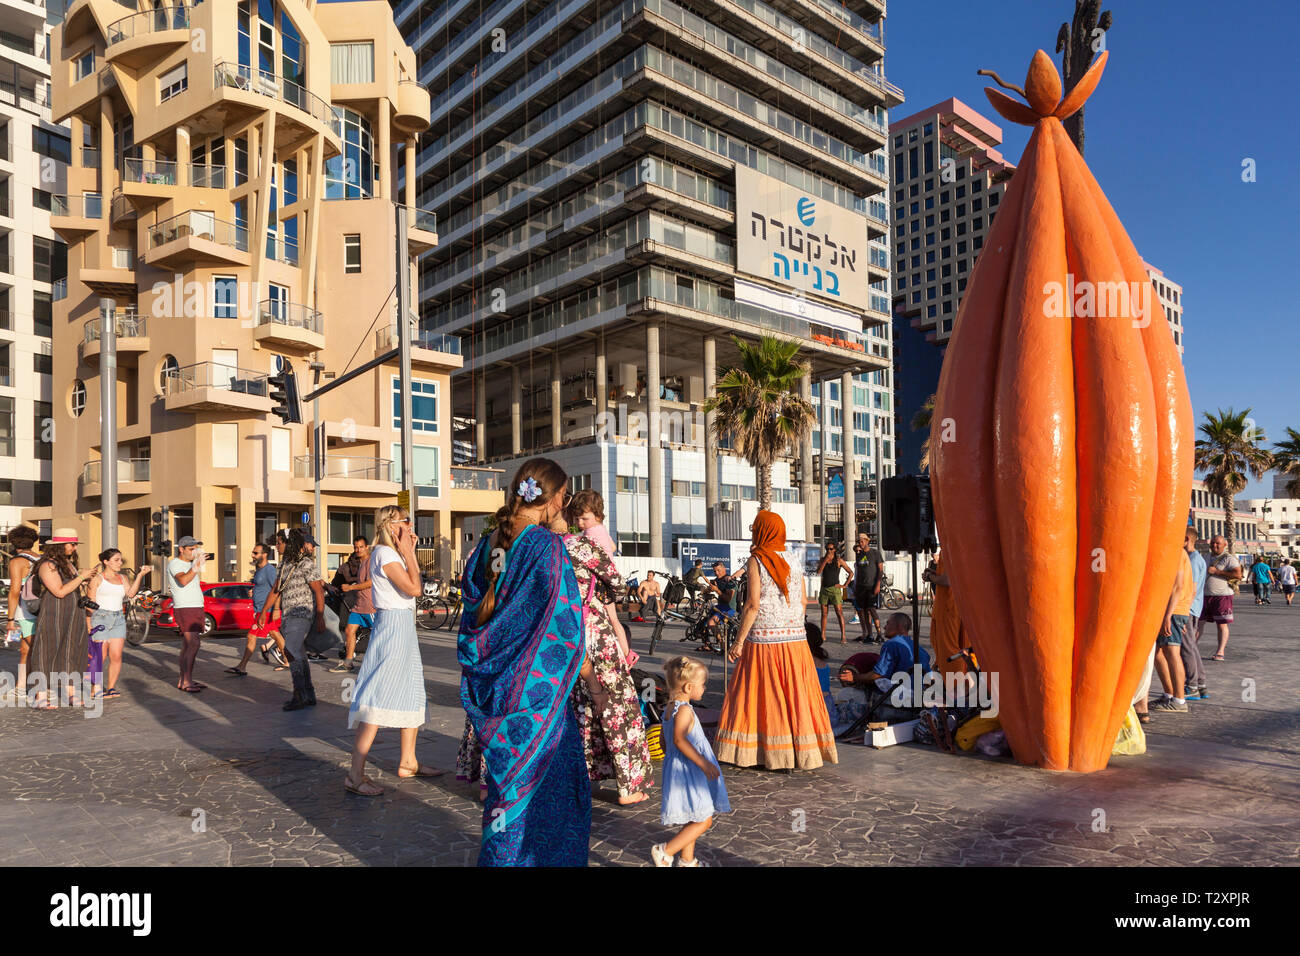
114	626
1179	623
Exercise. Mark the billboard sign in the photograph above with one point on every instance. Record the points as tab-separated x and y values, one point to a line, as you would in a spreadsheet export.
803	244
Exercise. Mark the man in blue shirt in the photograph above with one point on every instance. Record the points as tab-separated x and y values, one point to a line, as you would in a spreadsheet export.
1192	665
896	652
264	574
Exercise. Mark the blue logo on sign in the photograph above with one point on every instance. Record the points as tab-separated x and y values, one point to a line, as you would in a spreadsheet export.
805	209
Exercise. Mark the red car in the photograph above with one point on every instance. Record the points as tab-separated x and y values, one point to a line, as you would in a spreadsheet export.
226	606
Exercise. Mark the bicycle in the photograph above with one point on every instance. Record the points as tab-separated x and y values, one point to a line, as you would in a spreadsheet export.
139	615
891	597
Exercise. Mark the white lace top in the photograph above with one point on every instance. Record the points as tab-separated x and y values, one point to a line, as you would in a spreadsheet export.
779	621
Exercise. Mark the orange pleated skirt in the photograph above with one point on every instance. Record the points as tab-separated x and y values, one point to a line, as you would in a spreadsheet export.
774	713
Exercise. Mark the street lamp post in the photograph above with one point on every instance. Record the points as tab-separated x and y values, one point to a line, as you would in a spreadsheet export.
636	510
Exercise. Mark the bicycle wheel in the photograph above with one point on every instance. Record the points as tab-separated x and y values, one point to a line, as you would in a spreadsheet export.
655	635
452	619
894	598
427	615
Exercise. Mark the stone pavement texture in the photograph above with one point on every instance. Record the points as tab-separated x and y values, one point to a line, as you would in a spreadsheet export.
226	778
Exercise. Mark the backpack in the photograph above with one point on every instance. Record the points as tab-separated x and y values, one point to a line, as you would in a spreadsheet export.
31	600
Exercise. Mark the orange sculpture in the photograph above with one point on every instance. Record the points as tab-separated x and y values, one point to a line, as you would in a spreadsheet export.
1061	448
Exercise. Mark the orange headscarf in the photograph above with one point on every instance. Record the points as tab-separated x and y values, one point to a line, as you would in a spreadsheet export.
768	543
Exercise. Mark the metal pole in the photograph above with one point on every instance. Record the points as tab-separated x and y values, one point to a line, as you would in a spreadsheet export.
876	466
916	620
318	471
824	392
165	587
404	356
108	422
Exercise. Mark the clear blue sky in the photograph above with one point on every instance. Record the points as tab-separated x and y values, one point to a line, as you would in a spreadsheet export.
1190	90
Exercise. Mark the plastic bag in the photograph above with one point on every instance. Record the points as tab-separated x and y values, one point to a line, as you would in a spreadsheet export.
975	728
993	743
1132	740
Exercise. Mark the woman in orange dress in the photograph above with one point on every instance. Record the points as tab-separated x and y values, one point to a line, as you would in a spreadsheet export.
774	713
947	636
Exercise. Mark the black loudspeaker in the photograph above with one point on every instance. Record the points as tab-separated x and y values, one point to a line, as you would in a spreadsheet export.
906	514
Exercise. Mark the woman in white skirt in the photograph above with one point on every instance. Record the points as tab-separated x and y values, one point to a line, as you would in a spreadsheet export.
390	686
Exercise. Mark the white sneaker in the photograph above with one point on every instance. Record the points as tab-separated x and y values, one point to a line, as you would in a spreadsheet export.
659	854
696	862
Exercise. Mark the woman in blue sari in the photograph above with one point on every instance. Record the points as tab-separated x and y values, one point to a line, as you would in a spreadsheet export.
521	651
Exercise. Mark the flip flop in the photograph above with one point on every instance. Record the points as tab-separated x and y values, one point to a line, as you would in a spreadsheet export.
112	693
1218	657
236	672
423	771
192	689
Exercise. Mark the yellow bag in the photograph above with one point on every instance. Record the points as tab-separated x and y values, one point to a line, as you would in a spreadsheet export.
654	741
1132	740
975	728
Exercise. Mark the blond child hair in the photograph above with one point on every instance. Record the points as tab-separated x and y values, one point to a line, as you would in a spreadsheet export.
681	671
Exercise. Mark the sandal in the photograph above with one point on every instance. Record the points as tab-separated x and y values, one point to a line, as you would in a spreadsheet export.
112	693
191	689
1144	718
359	789
236	672
422	771
1218	657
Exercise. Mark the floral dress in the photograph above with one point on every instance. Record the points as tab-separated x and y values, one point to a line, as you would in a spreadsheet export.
614	740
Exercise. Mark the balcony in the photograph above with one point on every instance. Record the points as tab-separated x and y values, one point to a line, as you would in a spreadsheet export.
209	387
73	215
412	107
132	477
477	490
431	350
197	237
421	229
132	338
58	291
348	473
120	210
289	325
144	38
233	80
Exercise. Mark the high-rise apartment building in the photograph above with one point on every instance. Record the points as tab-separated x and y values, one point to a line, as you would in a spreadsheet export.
623	187
230	208
34	154
948	180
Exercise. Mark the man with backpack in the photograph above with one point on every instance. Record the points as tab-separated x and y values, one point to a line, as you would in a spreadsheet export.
22	594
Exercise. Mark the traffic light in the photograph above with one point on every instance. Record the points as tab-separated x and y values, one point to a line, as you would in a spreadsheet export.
158	543
284	392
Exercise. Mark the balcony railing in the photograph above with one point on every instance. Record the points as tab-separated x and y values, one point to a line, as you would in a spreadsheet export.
90	157
436	341
212	375
121	208
345	466
128	469
477	479
151	21
33	100
282	250
268	84
128	325
158	172
417	218
199	225
291	314
59	290
87	205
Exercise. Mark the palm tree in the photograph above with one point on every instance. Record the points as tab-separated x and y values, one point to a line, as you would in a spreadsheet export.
1227	453
758	404
921	420
1286	459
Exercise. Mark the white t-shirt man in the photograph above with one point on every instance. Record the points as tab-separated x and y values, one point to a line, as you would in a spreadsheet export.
184	595
1286	576
1215	584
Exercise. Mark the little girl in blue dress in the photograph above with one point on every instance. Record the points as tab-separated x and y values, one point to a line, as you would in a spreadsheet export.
693	790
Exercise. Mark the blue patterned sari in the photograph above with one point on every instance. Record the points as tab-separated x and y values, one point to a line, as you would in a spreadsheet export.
518	672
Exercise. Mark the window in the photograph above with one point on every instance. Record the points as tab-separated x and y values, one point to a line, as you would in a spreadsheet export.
52	145
42	314
85	65
167	369
994	198
241	160
352	62
352	254
225	444
424	405
49	259
7	430
625	483
174	81
42	363
681	489
41	199
280	450
225	297
6	492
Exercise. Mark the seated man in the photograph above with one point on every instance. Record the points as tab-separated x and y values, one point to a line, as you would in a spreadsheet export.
895	656
648	593
694	580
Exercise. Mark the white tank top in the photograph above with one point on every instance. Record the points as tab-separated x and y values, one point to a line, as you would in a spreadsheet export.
109	595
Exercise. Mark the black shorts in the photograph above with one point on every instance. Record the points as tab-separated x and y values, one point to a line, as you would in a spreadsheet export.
866	600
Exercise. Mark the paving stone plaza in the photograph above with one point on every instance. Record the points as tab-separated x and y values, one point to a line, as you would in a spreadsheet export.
226	778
